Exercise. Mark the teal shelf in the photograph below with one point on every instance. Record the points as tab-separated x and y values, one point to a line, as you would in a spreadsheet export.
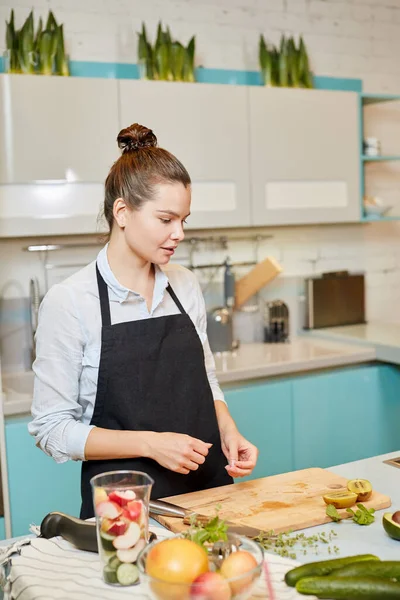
379	158
377	219
376	98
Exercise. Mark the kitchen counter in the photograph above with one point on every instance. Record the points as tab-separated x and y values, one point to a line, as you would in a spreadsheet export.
355	539
250	361
253	361
383	337
352	538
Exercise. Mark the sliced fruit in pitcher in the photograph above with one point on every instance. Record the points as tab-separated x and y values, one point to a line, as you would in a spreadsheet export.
118	527
127	574
110	575
100	495
107	541
108	510
114	562
342	499
133	510
130	556
129	539
122	497
361	487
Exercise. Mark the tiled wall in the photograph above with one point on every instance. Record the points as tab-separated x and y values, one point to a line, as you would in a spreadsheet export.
349	38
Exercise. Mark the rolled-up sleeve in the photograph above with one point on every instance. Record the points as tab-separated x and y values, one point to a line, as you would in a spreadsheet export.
56	410
201	324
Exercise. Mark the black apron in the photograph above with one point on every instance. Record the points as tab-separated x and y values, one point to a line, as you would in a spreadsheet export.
152	377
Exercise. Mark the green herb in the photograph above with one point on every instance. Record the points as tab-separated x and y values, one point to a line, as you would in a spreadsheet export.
212	531
333	513
288	545
284	544
363	516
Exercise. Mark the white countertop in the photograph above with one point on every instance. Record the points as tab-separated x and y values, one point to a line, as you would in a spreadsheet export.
301	354
355	539
383	337
250	361
351	538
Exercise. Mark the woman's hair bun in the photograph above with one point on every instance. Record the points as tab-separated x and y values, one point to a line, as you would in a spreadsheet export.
135	137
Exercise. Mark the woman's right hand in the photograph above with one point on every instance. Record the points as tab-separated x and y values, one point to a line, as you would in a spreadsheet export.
177	451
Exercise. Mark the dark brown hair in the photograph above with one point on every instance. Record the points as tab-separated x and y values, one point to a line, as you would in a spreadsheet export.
139	169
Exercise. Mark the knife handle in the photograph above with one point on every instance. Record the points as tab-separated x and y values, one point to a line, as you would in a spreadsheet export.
81	534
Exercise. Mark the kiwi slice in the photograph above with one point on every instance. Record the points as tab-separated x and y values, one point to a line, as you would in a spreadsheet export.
343	499
361	487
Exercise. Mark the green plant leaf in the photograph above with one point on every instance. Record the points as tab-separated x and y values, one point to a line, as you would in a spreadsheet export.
46	52
60	60
38	34
162	62
177	60
26	46
159	38
12	45
188	62
262	53
51	24
305	74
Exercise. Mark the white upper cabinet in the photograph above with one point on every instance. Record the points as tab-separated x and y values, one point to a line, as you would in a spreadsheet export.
57	128
305	156
206	127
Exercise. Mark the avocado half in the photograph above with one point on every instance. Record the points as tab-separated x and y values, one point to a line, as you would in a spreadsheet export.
391	527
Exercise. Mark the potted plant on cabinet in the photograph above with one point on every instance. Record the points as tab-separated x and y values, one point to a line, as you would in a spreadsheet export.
36	52
167	59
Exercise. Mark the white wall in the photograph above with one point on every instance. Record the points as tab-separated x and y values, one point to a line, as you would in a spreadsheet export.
346	38
349	38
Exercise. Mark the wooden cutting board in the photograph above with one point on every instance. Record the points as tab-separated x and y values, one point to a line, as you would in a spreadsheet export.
290	501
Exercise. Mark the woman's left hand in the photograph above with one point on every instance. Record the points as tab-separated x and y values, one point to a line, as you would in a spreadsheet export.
241	454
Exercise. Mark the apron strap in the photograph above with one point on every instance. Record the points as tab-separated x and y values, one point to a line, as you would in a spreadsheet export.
175	299
104	301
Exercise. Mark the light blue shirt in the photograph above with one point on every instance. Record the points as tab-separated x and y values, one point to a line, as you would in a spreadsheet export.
68	345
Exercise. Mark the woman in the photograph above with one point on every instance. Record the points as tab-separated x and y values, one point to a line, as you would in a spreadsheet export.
124	376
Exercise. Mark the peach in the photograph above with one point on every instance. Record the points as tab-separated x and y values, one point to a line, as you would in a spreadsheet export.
235	565
210	586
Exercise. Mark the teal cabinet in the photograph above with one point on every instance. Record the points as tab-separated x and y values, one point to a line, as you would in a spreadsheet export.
37	484
320	419
263	415
345	415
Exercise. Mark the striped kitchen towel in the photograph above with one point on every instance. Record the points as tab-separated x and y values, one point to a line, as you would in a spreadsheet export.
55	570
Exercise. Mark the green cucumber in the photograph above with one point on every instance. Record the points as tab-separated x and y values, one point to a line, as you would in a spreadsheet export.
107	541
127	574
114	562
349	588
385	569
324	567
109	575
